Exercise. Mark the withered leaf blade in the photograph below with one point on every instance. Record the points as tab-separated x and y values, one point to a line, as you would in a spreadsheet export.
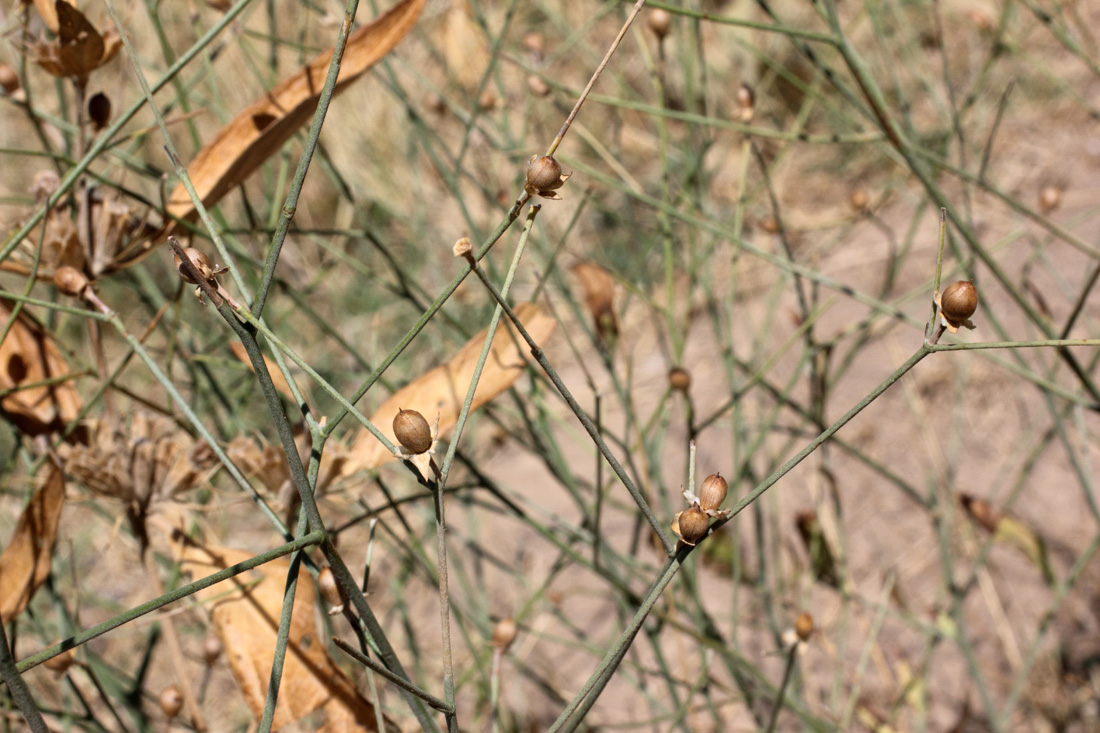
81	46
28	357
48	13
599	291
25	563
262	128
442	390
247	621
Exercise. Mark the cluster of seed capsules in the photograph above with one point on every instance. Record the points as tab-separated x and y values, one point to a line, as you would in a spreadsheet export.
692	524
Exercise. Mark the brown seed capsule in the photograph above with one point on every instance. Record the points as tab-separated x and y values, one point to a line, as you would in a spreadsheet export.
959	302
171	701
487	102
770	225
211	649
99	110
746	97
435	103
504	633
859	200
543	174
412	431
537	86
679	378
331	590
9	80
804	626
693	525
199	260
70	280
1049	199
60	664
533	42
659	20
713	492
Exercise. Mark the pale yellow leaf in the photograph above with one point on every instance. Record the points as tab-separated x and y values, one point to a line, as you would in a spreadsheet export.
25	564
442	390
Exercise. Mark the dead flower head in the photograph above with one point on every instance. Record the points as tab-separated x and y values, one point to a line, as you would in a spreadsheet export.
79	48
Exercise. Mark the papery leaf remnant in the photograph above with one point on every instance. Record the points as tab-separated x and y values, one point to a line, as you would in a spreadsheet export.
263	127
247	620
25	563
441	391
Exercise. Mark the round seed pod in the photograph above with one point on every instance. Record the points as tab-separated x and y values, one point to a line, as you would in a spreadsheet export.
199	260
70	280
171	701
859	200
9	80
679	378
959	301
211	649
543	174
534	42
412	431
99	110
504	633
60	664
659	21
693	525
804	626
537	86
713	492
488	101
1049	199
746	97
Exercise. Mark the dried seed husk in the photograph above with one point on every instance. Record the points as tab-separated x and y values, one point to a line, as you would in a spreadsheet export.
543	174
693	524
171	701
958	302
70	280
804	625
504	633
412	431
199	260
712	492
679	378
659	21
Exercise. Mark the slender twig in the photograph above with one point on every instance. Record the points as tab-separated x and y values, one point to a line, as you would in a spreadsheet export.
374	666
788	670
17	686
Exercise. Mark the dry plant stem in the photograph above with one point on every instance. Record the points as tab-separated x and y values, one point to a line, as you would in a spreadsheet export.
788	670
586	421
595	77
291	204
366	661
440	484
282	636
175	651
172	596
105	138
17	686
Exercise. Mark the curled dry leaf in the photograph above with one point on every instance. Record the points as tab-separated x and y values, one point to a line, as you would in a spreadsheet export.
277	377
599	291
247	621
442	390
262	128
79	49
29	357
25	564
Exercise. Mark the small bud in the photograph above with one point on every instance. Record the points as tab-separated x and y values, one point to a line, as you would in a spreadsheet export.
199	260
958	303
859	200
746	97
713	492
659	20
462	247
99	110
60	664
804	626
1049	199
435	103
679	378
9	80
70	280
504	633
537	86
211	649
412	431
488	101
331	591
171	701
770	225
693	524
533	43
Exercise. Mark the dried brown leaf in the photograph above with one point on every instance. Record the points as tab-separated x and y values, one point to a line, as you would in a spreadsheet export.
48	12
25	563
247	621
442	390
81	47
262	128
28	356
